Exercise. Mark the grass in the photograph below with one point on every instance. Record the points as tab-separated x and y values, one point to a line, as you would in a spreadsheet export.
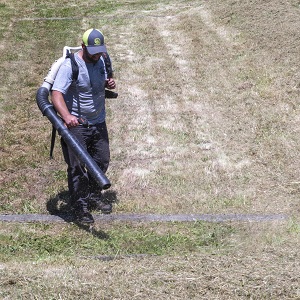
44	241
126	260
206	122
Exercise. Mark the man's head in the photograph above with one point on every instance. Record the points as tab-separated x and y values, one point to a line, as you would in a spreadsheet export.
93	40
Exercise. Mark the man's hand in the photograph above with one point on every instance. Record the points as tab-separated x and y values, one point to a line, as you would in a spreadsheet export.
71	121
110	83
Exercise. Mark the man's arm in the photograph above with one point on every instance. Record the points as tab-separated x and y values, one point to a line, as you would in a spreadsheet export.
61	107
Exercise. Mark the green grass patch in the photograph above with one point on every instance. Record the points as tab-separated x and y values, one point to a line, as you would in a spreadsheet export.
5	14
42	241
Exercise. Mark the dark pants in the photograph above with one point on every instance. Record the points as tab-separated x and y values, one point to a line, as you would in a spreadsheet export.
82	187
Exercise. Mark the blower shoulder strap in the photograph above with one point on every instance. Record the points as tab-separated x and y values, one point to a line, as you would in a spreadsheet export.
75	68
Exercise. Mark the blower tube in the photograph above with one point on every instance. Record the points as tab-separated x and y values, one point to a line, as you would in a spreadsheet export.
48	110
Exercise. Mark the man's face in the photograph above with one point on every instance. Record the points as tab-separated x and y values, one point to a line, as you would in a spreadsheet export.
91	58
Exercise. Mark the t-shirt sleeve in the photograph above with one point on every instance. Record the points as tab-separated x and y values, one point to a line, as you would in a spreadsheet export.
63	78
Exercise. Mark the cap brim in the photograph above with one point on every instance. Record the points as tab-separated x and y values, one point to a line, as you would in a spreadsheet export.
96	49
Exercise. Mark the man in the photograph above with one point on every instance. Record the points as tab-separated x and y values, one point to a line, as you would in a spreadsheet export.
85	100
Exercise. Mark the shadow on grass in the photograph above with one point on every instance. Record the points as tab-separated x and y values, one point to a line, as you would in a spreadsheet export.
59	205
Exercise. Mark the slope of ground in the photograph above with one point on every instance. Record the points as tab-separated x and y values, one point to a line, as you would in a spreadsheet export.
206	123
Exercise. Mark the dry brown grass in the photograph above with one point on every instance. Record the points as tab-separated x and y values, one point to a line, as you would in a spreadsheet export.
210	108
206	122
206	119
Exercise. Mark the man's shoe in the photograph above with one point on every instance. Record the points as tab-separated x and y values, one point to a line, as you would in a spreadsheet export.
83	216
105	208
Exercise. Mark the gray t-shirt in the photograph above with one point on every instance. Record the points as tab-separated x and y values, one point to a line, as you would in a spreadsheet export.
86	97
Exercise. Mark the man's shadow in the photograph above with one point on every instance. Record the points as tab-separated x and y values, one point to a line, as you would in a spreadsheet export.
59	205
